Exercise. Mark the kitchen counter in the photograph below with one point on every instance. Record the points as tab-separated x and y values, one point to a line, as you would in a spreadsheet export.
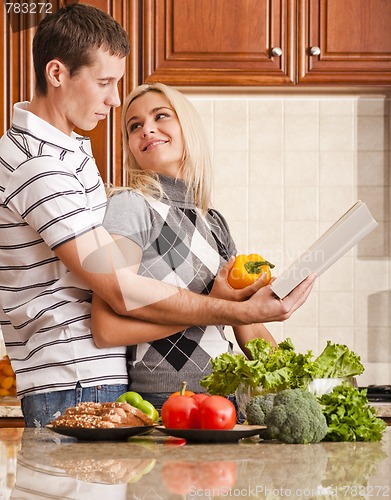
10	408
383	410
10	413
44	464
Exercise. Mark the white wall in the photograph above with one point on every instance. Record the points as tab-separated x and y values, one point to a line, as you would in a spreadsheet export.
286	167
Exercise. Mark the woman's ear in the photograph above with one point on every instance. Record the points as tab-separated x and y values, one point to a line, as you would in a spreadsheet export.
54	71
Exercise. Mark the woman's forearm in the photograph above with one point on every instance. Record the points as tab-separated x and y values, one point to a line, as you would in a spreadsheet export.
244	333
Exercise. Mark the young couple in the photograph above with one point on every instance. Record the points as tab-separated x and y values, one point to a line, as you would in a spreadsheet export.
150	262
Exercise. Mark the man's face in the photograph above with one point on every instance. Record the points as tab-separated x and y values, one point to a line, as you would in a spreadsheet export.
88	96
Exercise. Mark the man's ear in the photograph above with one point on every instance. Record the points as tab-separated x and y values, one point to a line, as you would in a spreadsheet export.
55	69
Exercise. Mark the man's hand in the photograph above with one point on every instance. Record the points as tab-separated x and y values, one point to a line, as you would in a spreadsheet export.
266	304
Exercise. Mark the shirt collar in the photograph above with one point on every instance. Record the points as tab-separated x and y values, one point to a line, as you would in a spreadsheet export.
42	129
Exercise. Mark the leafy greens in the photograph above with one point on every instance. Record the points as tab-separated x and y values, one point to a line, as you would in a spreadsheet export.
277	368
336	361
349	416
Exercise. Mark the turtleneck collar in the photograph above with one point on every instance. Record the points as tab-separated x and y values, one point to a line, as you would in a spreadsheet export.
176	191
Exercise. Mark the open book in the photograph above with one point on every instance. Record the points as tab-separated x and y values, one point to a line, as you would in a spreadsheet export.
352	227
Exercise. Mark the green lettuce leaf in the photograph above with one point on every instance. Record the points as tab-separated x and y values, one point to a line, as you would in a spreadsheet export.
276	368
336	361
272	368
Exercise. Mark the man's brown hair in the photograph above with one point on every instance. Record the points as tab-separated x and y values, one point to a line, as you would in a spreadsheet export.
71	35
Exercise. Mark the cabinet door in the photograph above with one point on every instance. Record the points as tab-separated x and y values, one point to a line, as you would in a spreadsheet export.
17	75
219	42
354	38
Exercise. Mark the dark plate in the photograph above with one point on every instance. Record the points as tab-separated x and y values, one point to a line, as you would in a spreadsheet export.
113	434
214	436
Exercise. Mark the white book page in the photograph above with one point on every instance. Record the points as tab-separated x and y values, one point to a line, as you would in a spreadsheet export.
343	235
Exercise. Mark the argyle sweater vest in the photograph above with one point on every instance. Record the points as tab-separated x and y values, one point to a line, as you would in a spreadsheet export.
183	247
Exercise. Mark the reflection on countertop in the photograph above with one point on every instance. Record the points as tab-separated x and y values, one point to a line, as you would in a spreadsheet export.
155	466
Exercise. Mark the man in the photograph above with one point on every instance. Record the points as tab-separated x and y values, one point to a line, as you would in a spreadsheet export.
54	250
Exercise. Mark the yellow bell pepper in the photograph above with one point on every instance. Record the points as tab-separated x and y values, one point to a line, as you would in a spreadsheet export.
247	269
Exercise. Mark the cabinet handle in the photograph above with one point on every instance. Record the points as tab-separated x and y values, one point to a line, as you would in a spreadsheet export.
314	51
276	51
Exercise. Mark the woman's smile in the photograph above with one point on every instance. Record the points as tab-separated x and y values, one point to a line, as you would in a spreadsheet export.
153	144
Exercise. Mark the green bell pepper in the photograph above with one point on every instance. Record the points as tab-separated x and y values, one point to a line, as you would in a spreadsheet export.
134	399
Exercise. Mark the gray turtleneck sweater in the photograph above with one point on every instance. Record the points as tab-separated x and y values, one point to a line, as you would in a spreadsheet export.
183	247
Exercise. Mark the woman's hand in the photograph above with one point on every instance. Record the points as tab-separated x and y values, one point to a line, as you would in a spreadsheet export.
222	289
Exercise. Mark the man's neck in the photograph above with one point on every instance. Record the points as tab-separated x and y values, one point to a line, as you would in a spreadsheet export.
43	108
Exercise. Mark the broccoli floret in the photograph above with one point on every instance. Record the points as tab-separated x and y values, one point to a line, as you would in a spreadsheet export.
296	417
258	408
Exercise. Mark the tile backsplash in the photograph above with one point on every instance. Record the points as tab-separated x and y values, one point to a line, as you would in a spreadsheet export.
287	167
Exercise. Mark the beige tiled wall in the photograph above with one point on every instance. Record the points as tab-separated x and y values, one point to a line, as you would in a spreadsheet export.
286	167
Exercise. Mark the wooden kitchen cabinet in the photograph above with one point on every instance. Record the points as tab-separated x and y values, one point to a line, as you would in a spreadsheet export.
238	42
219	42
354	39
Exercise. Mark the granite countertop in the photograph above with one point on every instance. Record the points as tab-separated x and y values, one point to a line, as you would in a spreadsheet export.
155	466
10	407
383	409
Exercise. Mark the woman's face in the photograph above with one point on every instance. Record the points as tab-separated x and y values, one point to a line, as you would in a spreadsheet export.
154	134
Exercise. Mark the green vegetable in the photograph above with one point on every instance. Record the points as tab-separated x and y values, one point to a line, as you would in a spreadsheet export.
296	417
336	361
349	415
135	399
278	368
131	397
258	408
274	368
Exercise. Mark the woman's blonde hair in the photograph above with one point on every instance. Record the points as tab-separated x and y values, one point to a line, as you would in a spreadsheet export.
196	165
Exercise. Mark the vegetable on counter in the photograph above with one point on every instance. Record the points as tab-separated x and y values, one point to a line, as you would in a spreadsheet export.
135	399
247	269
349	415
182	391
216	412
278	368
284	376
198	411
258	409
289	414
336	361
296	417
180	411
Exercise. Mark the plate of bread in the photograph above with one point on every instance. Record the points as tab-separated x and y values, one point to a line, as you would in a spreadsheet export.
90	421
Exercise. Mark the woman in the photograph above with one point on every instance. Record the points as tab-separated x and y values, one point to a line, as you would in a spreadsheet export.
164	224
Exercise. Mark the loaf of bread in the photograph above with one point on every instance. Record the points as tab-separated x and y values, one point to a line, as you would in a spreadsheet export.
102	416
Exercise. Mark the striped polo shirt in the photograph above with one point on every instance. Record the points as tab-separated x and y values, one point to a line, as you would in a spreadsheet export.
50	193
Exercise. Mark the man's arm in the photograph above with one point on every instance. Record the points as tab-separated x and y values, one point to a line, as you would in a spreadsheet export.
111	330
97	260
